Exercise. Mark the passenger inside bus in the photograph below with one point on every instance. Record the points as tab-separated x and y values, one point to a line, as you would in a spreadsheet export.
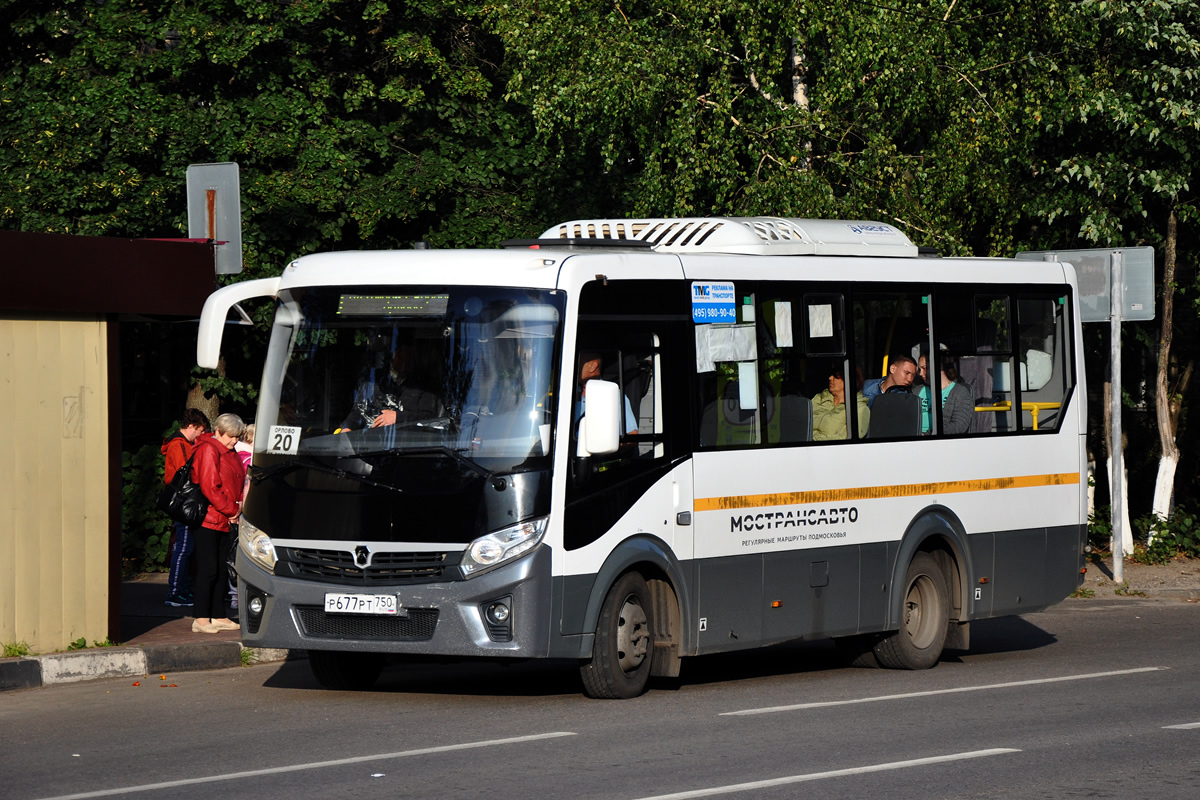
902	369
958	407
829	408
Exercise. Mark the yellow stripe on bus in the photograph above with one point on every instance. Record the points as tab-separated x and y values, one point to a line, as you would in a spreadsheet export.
882	492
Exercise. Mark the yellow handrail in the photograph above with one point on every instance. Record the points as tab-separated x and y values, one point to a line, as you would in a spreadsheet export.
1034	407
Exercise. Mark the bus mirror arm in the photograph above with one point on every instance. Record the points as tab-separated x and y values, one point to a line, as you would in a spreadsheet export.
216	309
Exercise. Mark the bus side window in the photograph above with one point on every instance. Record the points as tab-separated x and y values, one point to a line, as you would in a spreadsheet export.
1044	358
758	376
634	367
989	370
889	329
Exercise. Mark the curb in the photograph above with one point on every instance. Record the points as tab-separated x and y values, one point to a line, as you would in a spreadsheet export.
126	662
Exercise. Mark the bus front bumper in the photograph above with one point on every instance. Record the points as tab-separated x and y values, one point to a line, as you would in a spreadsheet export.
453	618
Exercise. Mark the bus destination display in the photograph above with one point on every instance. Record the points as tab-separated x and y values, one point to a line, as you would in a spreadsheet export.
393	305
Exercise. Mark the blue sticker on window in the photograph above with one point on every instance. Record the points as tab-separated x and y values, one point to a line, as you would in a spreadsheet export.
713	302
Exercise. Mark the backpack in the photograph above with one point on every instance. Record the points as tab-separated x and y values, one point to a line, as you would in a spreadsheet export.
182	500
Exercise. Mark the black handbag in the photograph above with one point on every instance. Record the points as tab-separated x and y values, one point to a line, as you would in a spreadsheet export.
182	499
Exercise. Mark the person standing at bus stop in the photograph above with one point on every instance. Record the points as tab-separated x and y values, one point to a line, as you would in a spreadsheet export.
177	449
219	471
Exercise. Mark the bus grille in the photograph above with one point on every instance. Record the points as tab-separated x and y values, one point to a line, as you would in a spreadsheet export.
337	566
417	627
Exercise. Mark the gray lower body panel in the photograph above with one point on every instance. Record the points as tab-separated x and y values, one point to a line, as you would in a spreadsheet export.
443	619
753	600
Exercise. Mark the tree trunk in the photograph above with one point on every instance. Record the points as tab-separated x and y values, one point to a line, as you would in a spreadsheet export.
1126	543
210	405
1126	529
1166	403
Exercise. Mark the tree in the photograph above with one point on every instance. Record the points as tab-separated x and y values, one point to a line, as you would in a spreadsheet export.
356	123
796	109
1124	179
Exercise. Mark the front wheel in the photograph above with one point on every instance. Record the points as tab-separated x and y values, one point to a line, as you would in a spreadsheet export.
924	621
624	646
345	671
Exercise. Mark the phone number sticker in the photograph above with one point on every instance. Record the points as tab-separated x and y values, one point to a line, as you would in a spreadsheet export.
713	302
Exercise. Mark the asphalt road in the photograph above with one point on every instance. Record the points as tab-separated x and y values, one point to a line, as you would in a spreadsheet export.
1093	698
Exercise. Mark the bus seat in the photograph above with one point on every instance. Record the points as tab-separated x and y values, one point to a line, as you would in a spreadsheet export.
795	418
895	414
708	425
1036	370
977	372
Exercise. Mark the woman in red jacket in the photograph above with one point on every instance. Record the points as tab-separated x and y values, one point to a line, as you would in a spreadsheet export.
219	471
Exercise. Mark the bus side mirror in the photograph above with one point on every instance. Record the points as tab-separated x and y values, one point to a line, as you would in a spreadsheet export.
216	308
600	428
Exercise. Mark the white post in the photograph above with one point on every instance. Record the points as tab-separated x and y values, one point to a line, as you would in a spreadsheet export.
1117	480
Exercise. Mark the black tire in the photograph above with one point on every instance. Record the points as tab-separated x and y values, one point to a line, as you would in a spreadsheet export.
344	671
858	651
624	646
925	618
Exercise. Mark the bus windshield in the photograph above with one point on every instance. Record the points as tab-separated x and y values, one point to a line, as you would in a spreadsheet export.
462	371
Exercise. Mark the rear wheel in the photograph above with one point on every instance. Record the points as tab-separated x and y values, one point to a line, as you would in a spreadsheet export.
624	646
925	616
345	671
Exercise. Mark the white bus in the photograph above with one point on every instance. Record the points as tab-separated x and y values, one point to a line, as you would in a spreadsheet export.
426	481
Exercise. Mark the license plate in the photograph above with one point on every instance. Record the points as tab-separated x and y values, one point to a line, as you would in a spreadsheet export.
346	603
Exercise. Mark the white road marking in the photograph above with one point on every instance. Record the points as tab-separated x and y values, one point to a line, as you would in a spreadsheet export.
254	773
1187	726
931	693
837	773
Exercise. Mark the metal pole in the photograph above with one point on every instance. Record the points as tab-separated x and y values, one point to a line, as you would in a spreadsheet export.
1117	481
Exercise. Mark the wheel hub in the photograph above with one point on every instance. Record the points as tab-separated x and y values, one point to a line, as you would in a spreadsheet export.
632	635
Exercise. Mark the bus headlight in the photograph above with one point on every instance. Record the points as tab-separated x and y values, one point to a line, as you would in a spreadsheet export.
256	545
489	552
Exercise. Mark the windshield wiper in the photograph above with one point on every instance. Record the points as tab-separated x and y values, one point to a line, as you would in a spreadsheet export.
444	451
258	474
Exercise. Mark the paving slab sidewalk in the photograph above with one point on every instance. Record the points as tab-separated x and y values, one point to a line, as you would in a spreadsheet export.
157	638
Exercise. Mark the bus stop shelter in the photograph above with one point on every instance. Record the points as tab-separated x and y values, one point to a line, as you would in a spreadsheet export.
61	309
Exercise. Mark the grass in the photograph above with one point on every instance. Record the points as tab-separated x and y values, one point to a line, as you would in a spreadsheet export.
1083	592
1124	591
16	650
248	657
81	644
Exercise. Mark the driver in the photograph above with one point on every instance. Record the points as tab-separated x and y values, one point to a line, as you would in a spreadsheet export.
395	396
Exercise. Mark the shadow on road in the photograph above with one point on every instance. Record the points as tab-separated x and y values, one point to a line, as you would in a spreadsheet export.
1005	635
547	678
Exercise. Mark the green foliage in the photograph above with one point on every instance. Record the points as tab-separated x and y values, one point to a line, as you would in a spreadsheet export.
1100	528
892	113
226	388
1130	127
355	122
145	531
16	650
1160	541
1083	592
82	644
